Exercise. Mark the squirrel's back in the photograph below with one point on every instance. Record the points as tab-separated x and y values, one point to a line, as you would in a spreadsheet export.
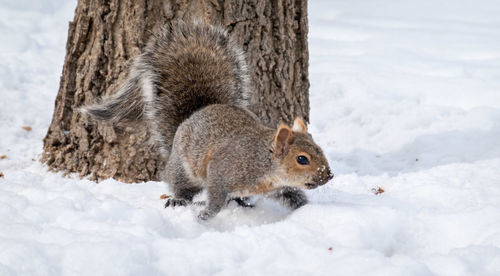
183	68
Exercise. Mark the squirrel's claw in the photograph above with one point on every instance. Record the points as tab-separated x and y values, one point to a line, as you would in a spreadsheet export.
243	202
173	202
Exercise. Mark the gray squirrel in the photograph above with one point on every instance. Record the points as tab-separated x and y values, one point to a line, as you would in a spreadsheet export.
191	85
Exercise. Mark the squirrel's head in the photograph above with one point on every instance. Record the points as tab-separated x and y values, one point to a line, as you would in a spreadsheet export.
302	162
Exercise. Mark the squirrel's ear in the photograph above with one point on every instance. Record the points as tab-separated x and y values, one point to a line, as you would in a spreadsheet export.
299	125
282	140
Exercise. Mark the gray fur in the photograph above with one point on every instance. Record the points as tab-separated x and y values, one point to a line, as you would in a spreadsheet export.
183	68
125	105
226	150
292	198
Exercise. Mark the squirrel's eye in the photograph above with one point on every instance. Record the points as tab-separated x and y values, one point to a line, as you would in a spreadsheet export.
301	159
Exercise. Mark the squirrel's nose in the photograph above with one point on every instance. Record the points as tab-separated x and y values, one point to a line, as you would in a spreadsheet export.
326	176
329	175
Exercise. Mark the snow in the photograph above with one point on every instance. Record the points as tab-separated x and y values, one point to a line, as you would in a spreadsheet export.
405	96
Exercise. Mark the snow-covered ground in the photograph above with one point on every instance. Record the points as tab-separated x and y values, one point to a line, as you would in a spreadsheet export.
405	96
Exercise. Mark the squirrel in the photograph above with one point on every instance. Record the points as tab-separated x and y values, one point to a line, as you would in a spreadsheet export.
191	85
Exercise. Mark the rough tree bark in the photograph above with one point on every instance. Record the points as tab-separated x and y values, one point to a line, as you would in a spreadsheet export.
105	35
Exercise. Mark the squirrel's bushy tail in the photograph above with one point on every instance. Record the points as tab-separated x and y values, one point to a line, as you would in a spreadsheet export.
127	104
184	67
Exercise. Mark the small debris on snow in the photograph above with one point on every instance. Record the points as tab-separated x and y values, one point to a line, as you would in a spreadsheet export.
27	128
378	190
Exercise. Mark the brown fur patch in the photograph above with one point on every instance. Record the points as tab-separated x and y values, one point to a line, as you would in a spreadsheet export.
204	164
263	187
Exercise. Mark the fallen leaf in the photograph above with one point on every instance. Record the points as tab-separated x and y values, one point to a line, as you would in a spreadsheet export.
164	196
378	190
27	128
1	174
3	156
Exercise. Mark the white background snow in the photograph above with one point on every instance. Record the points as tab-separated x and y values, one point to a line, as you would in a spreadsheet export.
405	95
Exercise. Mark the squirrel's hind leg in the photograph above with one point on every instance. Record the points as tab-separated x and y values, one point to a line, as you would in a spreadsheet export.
184	189
187	193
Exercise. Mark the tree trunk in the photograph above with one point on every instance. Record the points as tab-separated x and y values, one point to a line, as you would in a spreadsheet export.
105	35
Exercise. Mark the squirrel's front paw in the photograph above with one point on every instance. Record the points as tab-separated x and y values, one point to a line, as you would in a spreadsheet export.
243	202
173	202
292	198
